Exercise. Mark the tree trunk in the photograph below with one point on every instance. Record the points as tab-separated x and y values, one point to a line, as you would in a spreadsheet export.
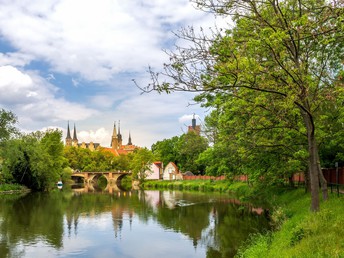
307	181
323	182
313	161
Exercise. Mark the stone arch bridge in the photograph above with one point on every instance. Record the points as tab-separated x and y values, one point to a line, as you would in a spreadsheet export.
112	177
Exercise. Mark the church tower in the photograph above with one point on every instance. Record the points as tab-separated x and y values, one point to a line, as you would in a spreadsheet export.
114	139
129	141
68	138
75	139
194	127
119	135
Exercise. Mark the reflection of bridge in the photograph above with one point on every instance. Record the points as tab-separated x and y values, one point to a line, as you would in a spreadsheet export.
111	176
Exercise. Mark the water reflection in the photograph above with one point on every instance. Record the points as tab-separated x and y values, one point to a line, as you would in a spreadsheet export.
87	223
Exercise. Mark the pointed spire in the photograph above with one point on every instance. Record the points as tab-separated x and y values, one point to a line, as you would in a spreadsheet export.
68	133
119	127
129	142
114	133
74	135
119	135
114	139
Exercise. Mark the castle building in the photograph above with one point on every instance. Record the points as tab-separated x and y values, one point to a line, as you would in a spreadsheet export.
116	145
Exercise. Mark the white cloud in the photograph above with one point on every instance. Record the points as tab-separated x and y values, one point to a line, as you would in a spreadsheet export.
32	98
101	135
13	58
186	118
107	42
95	38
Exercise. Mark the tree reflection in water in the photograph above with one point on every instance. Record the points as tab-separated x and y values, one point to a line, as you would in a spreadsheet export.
213	223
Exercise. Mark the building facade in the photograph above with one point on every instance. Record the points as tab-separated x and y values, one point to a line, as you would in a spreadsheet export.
116	146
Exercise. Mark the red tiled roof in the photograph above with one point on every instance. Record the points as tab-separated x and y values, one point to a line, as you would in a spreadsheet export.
115	152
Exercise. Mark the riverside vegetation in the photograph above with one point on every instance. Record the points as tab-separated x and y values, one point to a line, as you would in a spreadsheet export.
296	231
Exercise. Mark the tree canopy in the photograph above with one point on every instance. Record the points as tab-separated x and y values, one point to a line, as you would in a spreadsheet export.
278	67
34	160
7	122
183	151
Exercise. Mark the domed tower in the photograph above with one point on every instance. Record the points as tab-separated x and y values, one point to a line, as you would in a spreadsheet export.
68	138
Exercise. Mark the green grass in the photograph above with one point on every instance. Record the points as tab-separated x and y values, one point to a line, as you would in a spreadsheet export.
223	186
299	232
4	188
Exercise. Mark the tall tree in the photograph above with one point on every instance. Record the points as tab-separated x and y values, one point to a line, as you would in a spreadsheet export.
285	52
166	150
7	122
35	160
141	160
190	146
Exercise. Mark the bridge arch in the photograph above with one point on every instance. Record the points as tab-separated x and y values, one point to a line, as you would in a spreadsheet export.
112	177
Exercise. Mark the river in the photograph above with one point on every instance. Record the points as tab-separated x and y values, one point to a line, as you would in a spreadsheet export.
132	224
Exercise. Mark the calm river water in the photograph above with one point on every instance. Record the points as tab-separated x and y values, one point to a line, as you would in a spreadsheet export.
135	224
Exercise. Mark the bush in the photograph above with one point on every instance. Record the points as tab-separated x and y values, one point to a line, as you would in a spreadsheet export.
11	187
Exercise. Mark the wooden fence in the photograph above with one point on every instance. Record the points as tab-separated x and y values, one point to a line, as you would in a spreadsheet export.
332	176
204	177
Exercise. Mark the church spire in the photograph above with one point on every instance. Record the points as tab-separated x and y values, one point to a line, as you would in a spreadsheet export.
114	139
119	135
74	134
75	139
68	138
129	141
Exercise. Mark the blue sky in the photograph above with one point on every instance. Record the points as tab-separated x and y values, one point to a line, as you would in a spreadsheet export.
74	60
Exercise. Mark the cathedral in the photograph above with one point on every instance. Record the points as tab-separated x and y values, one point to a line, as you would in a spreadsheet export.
117	146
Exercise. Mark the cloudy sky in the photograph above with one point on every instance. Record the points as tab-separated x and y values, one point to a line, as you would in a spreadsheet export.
74	60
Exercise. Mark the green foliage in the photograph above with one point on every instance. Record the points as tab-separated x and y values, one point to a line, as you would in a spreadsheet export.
166	150
183	151
100	160
190	146
331	147
300	233
141	161
272	78
11	187
126	182
224	186
7	122
34	160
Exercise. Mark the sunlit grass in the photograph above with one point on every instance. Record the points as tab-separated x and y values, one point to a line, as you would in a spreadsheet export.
301	233
197	185
11	187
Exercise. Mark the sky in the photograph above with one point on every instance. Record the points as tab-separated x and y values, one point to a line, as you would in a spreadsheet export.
75	61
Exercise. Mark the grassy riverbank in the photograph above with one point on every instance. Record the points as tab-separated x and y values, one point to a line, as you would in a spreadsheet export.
12	188
240	189
298	232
